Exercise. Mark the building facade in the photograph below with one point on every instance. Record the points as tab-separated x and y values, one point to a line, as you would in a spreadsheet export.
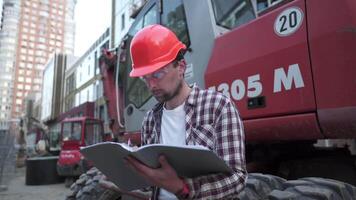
10	17
83	80
45	26
53	89
123	15
1	4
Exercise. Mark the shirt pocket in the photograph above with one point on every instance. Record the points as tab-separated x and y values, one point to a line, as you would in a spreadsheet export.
204	135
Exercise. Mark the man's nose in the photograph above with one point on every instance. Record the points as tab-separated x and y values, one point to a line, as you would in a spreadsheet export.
151	83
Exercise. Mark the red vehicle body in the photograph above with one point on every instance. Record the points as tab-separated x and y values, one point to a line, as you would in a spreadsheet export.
292	90
77	132
320	54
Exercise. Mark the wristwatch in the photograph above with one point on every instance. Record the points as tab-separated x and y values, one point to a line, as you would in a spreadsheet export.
184	192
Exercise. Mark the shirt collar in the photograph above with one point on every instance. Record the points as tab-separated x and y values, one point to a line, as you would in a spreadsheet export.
191	100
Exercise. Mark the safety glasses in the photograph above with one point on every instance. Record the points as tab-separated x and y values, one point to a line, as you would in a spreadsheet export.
157	75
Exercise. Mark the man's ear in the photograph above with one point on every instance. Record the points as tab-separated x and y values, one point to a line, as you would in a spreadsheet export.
182	65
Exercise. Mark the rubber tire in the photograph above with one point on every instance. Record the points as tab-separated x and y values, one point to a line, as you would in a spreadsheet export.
69	181
42	171
258	186
87	188
314	188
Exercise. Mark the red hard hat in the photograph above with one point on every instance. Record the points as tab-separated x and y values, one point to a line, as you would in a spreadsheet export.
152	48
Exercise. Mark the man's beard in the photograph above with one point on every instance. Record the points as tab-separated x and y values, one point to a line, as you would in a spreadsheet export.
169	95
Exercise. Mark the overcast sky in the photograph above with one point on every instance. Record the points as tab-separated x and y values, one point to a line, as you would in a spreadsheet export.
92	18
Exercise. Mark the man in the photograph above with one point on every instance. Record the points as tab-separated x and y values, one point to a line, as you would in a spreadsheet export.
185	116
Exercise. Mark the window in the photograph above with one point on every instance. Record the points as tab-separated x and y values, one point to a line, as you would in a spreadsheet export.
39	66
72	131
41	46
42	39
37	80
17	109
36	87
42	32
39	53
70	86
43	13
264	4
233	13
93	132
123	21
22	65
136	89
150	17
98	90
173	17
96	63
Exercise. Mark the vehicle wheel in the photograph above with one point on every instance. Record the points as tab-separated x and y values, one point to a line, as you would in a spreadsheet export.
314	188
87	188
42	171
258	186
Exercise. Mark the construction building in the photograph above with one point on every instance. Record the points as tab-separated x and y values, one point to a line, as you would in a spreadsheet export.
10	17
31	31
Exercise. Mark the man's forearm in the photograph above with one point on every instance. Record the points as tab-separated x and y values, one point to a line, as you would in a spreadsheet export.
216	186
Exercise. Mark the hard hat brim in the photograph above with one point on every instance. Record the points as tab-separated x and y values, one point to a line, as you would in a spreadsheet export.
148	69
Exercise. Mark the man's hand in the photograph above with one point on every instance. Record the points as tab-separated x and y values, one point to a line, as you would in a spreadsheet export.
164	177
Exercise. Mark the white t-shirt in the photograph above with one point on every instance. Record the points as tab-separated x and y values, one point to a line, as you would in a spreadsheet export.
172	133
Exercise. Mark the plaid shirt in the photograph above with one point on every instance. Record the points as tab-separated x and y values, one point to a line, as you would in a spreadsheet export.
212	121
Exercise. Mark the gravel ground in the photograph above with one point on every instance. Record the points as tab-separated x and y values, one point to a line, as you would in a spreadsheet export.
17	190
